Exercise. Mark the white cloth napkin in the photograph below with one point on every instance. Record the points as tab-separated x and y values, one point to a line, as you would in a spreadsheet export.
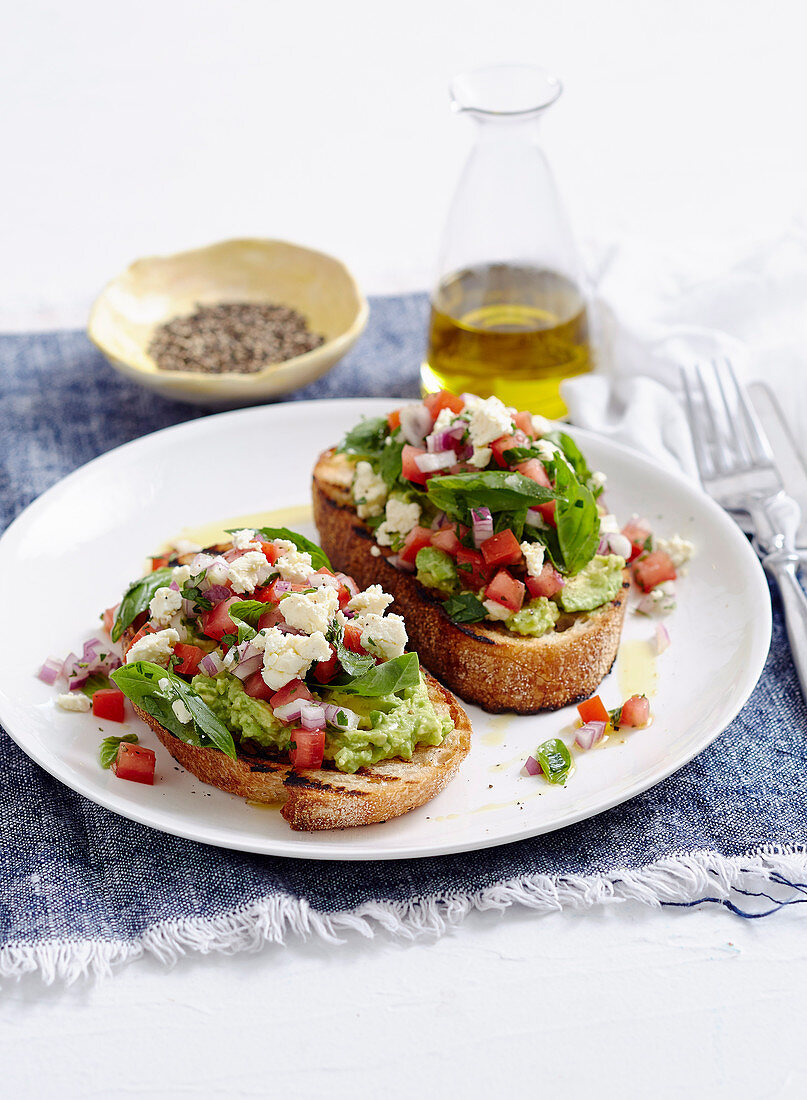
652	315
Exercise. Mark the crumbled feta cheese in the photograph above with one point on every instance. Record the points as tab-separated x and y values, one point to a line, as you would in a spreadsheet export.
181	574
245	539
680	550
164	684
250	570
489	420
540	424
374	600
310	611
375	552
599	480
289	656
481	457
445	418
181	711
534	557
199	564
546	450
496	610
164	605
74	700
185	546
382	634
157	648
369	491
609	525
218	571
401	517
294	565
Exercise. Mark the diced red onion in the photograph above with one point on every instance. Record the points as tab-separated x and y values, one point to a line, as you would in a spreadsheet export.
323	580
312	716
590	735
188	609
211	664
603	547
351	718
217	592
403	566
534	518
108	664
244	669
284	628
216	573
447	439
430	463
51	670
416	423
438	521
281	587
618	544
482	525
662	638
349	583
77	681
532	767
289	712
174	586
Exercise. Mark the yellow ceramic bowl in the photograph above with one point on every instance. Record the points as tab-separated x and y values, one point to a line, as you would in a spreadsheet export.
156	289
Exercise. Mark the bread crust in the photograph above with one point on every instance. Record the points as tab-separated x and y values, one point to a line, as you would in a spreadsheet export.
325	798
484	663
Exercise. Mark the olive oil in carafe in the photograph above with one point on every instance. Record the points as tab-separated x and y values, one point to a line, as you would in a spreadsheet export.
509	330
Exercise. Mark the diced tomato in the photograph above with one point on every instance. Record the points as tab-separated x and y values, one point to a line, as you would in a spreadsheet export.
135	762
436	402
294	689
307	748
592	710
417	538
409	468
256	687
324	671
654	569
547	512
524	422
501	549
502	444
471	568
446	540
140	634
351	638
216	621
635	712
547	583
109	618
533	468
270	618
159	563
270	552
638	533
190	656
394	419
349	583
108	703
506	590
264	594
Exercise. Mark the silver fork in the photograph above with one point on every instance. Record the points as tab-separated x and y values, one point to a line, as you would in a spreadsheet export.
737	469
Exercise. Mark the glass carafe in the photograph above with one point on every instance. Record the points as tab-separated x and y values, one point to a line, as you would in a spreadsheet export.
508	316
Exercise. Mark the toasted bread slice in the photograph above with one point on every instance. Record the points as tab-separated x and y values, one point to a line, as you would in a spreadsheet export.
326	798
483	663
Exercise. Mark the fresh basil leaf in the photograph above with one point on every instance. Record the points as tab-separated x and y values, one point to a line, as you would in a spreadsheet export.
318	556
367	439
109	748
137	599
140	682
464	608
520	454
577	519
499	490
572	453
96	682
389	464
615	717
191	591
510	521
555	760
391	677
245	614
354	664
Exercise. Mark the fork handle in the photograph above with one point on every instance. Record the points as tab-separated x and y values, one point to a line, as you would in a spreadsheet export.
784	567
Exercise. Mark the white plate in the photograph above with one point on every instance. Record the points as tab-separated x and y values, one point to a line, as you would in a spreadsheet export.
71	553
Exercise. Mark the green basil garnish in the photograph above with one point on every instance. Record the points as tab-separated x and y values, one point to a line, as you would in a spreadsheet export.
367	439
555	760
498	490
318	556
389	678
137	599
464	608
109	748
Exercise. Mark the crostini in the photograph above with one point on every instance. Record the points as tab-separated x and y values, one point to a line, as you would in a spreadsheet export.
484	525
272	677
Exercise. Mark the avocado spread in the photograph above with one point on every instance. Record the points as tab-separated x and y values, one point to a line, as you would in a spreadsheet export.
598	583
389	726
436	569
536	618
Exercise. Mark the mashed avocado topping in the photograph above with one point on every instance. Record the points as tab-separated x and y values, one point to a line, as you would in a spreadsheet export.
598	583
436	569
535	619
389	726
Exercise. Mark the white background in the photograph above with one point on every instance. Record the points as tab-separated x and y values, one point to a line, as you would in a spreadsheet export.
129	129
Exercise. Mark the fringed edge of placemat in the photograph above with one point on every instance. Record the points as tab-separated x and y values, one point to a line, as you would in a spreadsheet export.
754	885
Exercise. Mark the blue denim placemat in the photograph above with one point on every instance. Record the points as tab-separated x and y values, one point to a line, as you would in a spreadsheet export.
81	888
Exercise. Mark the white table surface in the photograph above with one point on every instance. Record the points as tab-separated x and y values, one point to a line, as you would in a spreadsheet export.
148	127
